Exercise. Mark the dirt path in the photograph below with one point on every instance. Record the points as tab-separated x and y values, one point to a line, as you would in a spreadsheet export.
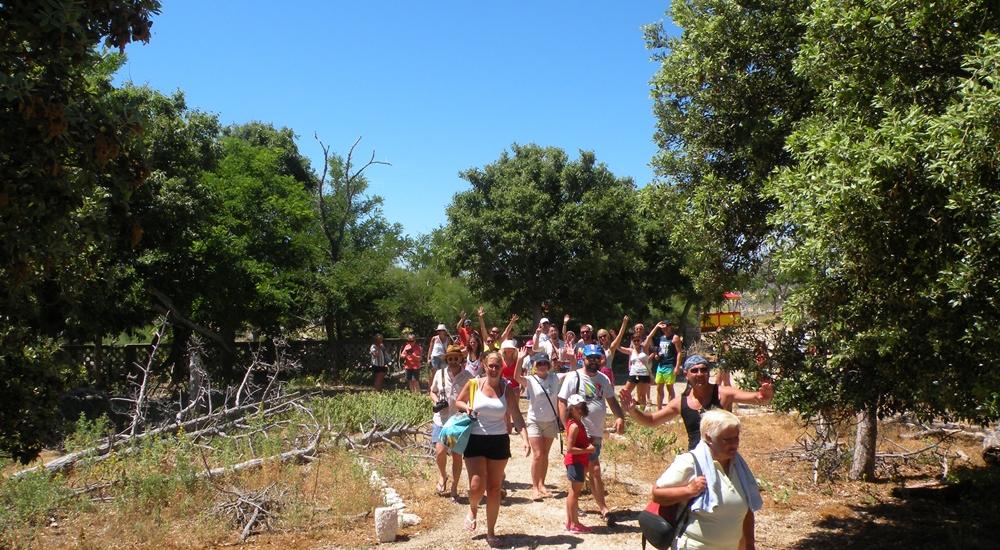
524	523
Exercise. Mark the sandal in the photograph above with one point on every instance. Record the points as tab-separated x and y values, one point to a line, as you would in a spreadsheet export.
470	523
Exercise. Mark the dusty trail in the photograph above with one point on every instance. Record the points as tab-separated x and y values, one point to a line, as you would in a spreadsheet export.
524	523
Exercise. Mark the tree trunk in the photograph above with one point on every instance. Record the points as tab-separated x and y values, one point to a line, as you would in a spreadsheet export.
991	447
329	324
863	463
178	358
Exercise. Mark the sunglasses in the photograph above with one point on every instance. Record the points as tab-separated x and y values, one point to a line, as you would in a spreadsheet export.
603	336
584	332
697	370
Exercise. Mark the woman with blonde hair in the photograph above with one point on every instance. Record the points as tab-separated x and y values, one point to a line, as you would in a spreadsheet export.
495	410
717	483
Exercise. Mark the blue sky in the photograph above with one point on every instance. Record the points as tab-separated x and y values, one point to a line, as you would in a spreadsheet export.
433	87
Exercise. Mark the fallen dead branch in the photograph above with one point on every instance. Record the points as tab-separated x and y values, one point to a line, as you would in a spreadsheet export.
286	456
193	427
250	509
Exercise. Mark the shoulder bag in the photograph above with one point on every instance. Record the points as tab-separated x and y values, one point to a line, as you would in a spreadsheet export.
661	524
456	431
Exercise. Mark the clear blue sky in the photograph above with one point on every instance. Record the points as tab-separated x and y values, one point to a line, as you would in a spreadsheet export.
434	87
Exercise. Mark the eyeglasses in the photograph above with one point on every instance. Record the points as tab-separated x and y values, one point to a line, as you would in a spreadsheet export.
697	370
603	336
453	359
584	332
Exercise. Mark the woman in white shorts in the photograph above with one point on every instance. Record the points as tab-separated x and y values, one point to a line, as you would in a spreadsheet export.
543	423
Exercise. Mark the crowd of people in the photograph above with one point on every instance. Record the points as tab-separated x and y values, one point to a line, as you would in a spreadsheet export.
569	387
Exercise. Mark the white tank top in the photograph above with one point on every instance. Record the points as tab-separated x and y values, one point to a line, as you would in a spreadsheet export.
438	349
638	363
492	411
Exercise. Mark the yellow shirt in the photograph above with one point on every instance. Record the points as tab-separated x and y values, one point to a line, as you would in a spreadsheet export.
721	529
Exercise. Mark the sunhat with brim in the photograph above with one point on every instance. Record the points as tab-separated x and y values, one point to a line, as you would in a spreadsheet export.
575	399
454	349
508	344
441	327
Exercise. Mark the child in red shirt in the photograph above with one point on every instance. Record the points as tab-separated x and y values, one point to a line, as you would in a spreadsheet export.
578	451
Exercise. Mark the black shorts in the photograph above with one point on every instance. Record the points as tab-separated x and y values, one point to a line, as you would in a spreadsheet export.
376	370
640	379
491	447
412	374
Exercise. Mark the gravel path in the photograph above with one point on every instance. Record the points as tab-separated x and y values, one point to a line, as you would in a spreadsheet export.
524	523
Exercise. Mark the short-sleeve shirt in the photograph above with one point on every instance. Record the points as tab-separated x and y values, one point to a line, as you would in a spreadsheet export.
723	527
378	356
594	389
447	386
538	409
411	361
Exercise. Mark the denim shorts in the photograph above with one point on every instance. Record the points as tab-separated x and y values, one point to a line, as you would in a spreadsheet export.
596	455
576	472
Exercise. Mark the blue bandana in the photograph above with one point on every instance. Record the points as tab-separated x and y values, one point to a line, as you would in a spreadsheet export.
694	360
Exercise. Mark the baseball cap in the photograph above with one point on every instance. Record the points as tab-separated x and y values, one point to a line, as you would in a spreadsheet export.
508	344
575	399
591	350
540	357
544	320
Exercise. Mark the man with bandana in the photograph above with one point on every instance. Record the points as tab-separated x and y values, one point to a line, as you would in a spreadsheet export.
699	397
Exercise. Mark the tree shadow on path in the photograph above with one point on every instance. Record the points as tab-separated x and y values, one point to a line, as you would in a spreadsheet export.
963	514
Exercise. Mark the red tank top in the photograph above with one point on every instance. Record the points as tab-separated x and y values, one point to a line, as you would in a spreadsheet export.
582	440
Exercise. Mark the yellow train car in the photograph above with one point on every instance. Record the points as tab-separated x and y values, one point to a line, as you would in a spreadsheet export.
727	315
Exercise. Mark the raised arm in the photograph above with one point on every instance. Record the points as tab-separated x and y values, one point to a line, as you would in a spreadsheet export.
760	397
672	410
510	327
618	338
649	337
461	322
482	324
518	370
566	319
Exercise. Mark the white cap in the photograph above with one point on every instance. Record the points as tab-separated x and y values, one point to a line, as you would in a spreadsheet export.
442	327
508	344
544	320
575	399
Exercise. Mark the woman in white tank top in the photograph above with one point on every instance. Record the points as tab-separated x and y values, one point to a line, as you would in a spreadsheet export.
495	407
639	365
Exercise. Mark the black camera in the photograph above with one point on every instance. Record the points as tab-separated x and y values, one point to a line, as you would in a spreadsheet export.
441	405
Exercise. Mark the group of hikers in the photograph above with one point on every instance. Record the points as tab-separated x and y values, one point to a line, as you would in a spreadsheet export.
569	387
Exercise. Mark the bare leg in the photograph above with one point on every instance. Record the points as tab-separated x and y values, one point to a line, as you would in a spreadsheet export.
573	503
441	457
659	396
597	486
670	392
642	391
379	380
456	473
494	478
539	463
477	483
546	447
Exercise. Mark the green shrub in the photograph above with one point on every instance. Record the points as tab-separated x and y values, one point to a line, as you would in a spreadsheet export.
30	499
356	411
87	433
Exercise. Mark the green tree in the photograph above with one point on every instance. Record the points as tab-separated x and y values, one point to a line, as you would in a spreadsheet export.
259	252
67	170
892	208
538	229
357	283
725	98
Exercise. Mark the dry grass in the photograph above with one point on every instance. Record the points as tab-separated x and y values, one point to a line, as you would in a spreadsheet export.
909	510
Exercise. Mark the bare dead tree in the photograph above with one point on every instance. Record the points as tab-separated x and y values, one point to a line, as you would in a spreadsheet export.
139	398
